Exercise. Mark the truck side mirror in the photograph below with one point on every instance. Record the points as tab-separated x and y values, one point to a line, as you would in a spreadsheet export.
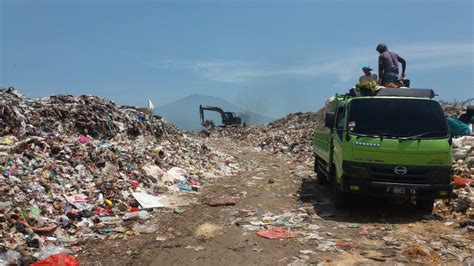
329	120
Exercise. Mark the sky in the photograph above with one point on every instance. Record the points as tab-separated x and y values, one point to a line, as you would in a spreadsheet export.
272	57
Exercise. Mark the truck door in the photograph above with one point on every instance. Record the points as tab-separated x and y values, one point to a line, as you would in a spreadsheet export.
338	141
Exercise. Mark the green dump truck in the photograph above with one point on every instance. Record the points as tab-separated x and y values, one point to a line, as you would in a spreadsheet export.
389	143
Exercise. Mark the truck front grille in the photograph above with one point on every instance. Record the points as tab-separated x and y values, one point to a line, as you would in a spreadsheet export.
413	175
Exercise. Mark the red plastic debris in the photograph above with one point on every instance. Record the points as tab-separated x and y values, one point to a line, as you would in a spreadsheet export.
57	260
459	182
84	140
344	244
99	211
276	233
80	198
134	184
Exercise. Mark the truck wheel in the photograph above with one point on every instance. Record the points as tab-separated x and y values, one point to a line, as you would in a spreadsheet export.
425	205
322	178
340	197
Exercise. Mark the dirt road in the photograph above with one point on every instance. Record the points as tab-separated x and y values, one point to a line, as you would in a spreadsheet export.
277	190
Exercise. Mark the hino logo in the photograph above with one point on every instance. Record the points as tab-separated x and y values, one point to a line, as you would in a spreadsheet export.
400	170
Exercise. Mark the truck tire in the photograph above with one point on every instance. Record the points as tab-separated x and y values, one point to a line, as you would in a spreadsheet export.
425	205
340	197
322	178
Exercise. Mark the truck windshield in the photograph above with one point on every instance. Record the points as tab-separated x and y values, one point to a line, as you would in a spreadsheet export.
403	118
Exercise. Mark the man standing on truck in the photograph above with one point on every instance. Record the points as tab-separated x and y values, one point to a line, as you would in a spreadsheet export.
368	75
388	65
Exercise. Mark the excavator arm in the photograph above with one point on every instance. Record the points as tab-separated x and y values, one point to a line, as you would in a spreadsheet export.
210	108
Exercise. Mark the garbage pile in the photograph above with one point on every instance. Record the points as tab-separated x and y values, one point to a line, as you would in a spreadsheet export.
65	114
291	134
463	156
452	109
79	168
463	181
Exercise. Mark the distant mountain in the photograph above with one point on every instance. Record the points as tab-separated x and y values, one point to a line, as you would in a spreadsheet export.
184	113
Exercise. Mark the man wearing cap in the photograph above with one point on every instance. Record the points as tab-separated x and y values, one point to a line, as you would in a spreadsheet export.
388	65
368	75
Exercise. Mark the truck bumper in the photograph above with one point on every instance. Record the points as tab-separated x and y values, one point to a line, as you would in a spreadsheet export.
386	189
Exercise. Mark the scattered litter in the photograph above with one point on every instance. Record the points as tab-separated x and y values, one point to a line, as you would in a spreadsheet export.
257	250
161	238
326	246
276	233
50	250
146	228
148	201
197	249
306	251
314	236
313	227
58	259
346	244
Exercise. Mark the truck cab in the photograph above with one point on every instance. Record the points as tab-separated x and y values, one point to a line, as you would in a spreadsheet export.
392	143
230	118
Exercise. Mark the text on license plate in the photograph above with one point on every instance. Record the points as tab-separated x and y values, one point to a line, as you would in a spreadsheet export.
401	190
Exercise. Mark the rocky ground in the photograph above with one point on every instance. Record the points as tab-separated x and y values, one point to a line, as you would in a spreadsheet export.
276	191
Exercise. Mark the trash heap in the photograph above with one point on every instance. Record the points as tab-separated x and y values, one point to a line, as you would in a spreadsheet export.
463	168
291	134
88	115
452	109
462	204
463	156
80	168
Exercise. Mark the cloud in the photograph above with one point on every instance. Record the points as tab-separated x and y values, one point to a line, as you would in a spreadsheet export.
343	67
224	71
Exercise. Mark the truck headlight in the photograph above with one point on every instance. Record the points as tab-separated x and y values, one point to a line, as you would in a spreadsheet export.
359	172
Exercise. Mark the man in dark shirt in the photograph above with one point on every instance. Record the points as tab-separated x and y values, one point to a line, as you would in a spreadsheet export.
388	65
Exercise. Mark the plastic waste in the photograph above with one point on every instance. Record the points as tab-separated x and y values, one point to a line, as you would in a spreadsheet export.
57	260
11	257
153	171
145	228
276	233
84	140
142	215
326	246
174	174
459	182
148	201
183	185
52	250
